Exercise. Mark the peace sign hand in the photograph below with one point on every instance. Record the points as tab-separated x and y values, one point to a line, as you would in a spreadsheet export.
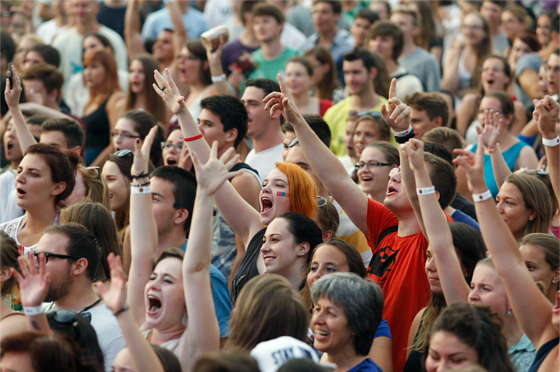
396	113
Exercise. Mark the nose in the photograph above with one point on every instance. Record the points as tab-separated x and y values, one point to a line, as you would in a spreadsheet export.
20	178
500	207
473	295
431	265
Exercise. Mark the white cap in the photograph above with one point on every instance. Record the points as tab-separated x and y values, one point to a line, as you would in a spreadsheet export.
273	353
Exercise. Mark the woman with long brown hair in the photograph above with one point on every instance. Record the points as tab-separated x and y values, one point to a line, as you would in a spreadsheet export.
103	108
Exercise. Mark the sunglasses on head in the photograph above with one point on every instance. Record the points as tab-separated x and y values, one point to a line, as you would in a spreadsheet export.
122	153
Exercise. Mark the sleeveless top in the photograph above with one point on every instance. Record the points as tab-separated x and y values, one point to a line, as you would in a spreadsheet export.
247	269
510	156
97	127
542	353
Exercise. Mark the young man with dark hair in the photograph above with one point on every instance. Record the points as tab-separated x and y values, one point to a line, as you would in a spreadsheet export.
387	40
73	257
173	194
359	74
272	56
362	23
66	134
414	59
223	119
325	16
263	129
41	53
429	110
42	84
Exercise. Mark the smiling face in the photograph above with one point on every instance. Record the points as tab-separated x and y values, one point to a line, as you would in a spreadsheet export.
487	289
279	251
473	29
117	185
447	352
541	271
326	259
494	78
373	179
164	297
543	30
512	208
330	327
136	77
298	80
274	196
34	183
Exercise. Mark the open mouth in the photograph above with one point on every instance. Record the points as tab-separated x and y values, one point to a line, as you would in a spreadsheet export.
9	145
171	161
20	192
154	304
490	81
268	259
266	204
391	190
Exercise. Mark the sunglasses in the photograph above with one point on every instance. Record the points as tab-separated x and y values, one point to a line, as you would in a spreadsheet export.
321	202
49	255
123	153
69	316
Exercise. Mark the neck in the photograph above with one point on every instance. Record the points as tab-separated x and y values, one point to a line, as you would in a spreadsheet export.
87	27
160	336
392	66
270	139
365	100
81	295
378	195
302	99
345	359
494	29
37	219
408	224
248	38
140	101
408	47
5	307
296	275
327	36
174	238
272	49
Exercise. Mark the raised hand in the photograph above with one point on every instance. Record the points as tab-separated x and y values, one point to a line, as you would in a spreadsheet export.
547	115
34	280
166	88
396	113
142	153
113	292
414	150
215	172
12	94
473	166
185	160
490	131
281	102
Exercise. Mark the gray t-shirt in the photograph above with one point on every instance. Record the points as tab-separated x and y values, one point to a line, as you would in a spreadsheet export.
424	66
530	61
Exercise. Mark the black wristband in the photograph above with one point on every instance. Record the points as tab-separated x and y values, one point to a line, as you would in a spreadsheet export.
404	139
141	175
119	312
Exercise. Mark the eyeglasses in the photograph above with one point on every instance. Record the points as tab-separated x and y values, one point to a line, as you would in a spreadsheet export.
169	145
124	135
371	164
123	153
49	255
359	114
472	27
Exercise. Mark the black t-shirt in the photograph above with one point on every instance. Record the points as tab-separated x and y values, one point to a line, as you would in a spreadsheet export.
247	269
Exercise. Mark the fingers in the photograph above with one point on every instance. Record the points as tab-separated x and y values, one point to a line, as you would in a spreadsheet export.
213	151
393	88
281	83
149	140
231	162
137	148
196	162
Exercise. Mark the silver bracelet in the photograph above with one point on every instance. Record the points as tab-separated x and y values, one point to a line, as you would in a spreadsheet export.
403	133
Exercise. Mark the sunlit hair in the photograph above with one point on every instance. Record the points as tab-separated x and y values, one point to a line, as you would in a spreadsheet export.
301	188
8	259
111	82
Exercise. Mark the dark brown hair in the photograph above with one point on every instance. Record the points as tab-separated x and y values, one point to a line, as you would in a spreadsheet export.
8	259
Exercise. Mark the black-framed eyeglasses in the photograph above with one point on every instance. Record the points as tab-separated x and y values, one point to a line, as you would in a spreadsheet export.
123	153
169	145
49	255
124	135
371	164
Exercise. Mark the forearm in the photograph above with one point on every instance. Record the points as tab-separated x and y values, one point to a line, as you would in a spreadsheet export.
23	133
197	258
500	168
144	357
553	166
180	36
133	38
409	184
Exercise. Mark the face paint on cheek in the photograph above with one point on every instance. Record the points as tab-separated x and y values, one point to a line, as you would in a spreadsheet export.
281	193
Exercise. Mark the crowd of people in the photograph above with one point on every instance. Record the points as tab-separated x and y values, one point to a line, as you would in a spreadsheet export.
280	185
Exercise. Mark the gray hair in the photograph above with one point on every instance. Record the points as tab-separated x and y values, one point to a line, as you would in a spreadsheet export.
360	300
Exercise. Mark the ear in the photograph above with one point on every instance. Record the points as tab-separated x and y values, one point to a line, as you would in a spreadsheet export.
276	115
556	278
6	274
76	150
302	249
181	216
438	120
532	215
80	266
58	188
373	73
231	135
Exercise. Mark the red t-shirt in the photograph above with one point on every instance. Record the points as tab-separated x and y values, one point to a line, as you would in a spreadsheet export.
398	267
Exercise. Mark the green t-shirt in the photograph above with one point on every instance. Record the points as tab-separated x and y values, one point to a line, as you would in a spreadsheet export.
336	118
268	68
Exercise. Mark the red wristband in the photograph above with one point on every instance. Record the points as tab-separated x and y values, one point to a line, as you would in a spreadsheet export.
193	138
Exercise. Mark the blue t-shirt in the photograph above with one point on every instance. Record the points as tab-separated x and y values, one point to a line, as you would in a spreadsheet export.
460	216
220	296
367	365
159	20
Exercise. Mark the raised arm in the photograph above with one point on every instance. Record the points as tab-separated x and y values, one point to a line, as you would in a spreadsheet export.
202	335
490	132
143	232
239	214
132	35
12	96
327	166
113	294
547	114
531	308
450	80
220	85
436	227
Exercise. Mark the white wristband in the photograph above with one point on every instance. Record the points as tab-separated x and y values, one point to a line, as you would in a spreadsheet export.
140	189
425	190
482	196
219	78
403	133
32	310
551	142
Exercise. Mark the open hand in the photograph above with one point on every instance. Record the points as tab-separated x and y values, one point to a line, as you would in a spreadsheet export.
215	172
113	292
396	113
490	131
34	280
282	103
473	166
166	88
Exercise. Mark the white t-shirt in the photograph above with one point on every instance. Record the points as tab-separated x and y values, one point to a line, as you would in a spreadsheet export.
12	228
48	31
264	161
8	207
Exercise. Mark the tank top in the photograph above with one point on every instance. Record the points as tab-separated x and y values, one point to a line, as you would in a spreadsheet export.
510	156
97	126
542	353
247	269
